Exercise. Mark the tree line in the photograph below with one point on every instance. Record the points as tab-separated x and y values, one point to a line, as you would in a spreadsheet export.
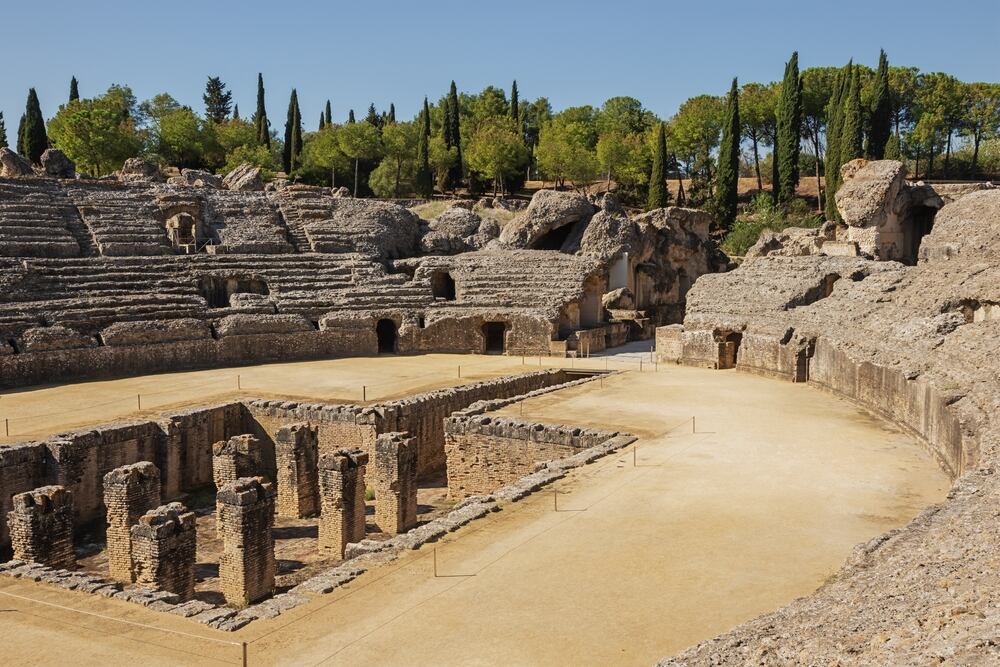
805	125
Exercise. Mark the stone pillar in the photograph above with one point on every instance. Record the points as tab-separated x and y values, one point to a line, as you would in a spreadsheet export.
395	482
238	457
129	492
298	484
41	526
342	500
163	550
246	517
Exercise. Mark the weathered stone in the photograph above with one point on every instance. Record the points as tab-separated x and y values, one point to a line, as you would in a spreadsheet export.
244	178
56	164
137	170
13	165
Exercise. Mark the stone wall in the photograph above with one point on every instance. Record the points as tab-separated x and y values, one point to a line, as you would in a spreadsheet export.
246	518
129	492
298	483
41	526
164	545
239	456
342	499
488	452
395	482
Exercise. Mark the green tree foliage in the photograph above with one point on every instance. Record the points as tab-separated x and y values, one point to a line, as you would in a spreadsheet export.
982	117
291	154
98	134
184	140
424	183
359	141
940	96
626	158
74	89
3	132
260	121
373	118
835	123
852	130
515	109
694	133
218	101
880	125
20	136
564	153
399	141
34	140
391	118
728	171
442	158
789	123
322	121
535	114
350	116
758	104
893	150
323	161
817	88
659	195
625	115
236	112
496	151
328	114
454	117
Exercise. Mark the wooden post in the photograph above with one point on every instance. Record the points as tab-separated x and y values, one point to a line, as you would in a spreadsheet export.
364	393
238	381
244	654
138	400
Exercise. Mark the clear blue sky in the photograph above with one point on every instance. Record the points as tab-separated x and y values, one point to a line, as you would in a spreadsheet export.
383	51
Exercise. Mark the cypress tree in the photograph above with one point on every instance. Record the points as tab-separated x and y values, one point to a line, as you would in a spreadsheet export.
372	117
446	124
515	112
3	132
789	130
350	115
218	101
20	137
659	196
322	121
728	171
852	129
236	112
328	115
74	90
454	118
260	122
424	178
293	135
392	114
881	118
35	139
834	125
893	151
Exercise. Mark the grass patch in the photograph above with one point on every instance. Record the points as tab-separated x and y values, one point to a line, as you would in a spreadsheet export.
763	214
432	209
369	494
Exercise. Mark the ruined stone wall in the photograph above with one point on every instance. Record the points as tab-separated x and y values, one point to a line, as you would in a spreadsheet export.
236	457
129	492
41	526
395	481
22	468
246	517
298	481
487	452
164	545
342	499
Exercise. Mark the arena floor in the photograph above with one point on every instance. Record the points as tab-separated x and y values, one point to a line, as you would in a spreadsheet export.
646	555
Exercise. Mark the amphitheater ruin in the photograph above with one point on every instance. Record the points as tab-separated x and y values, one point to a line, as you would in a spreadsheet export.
497	331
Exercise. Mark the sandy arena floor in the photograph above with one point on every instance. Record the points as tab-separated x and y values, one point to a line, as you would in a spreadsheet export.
760	505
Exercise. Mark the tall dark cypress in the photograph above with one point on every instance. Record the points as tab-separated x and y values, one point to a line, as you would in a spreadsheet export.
261	125
328	114
293	135
35	138
789	130
350	116
21	150
834	124
446	123
322	121
454	117
74	90
659	196
515	112
372	117
424	178
236	112
728	173
852	130
392	114
881	118
3	132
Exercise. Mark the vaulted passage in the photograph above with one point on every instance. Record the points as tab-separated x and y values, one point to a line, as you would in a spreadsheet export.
493	333
554	239
387	336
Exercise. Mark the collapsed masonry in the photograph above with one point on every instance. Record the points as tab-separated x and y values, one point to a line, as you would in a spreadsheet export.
237	457
164	547
41	527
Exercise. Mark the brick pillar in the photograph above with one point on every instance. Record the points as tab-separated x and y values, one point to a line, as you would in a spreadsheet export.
342	500
238	457
298	484
395	482
163	550
41	526
129	492
246	517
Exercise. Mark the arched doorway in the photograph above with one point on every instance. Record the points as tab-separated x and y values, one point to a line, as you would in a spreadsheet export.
494	336
387	335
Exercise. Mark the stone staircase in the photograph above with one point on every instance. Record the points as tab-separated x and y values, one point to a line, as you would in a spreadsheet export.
124	220
37	220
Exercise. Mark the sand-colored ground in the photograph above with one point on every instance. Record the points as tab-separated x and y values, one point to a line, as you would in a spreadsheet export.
760	505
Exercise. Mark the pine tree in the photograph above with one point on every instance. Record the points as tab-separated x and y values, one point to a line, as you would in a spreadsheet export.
292	149
834	125
728	172
852	130
74	90
659	196
515	112
789	130
392	114
350	116
372	117
3	132
35	139
236	112
261	124
454	119
328	114
424	178
218	100
893	151
881	118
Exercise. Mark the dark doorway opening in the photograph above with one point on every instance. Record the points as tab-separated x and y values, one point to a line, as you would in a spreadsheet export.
443	286
217	290
729	348
494	333
554	239
387	336
921	224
